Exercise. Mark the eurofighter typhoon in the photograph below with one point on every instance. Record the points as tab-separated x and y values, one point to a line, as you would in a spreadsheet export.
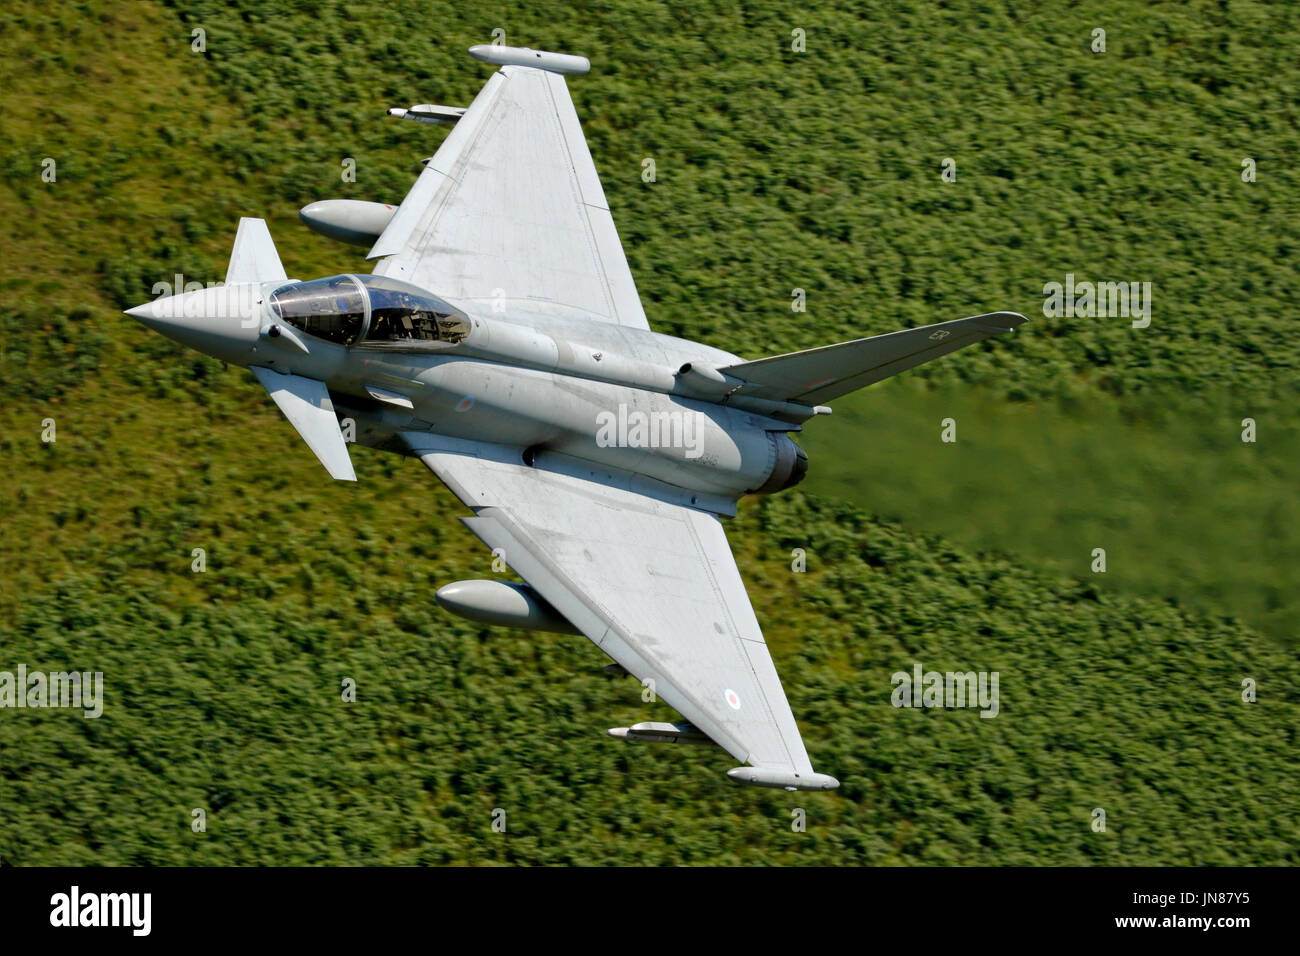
501	340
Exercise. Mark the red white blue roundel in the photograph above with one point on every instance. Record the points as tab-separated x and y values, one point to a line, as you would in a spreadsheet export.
465	404
732	698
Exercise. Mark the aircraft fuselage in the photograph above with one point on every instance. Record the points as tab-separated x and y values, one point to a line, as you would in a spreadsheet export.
524	376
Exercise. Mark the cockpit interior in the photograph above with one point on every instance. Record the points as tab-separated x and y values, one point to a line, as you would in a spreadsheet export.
369	311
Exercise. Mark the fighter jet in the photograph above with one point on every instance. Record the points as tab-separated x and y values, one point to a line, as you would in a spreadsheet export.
500	339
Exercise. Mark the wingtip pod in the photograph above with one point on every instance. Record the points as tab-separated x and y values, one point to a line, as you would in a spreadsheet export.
523	56
785	779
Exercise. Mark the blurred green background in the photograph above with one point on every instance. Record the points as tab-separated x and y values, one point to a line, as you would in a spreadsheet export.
775	170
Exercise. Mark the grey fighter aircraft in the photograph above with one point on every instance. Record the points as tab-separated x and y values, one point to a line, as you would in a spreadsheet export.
500	339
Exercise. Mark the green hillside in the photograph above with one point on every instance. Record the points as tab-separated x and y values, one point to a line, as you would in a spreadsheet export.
775	170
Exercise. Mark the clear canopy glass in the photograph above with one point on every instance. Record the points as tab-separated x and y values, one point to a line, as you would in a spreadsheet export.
403	314
369	310
333	309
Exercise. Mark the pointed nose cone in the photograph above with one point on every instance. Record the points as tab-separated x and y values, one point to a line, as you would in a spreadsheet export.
223	321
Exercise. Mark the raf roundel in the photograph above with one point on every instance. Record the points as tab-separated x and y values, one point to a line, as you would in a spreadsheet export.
465	404
733	699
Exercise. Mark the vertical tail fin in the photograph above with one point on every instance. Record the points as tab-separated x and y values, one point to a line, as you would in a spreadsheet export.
821	374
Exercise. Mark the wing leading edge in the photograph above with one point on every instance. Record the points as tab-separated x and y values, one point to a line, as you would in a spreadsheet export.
511	207
651	583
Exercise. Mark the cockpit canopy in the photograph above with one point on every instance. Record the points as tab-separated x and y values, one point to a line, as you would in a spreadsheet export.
401	313
333	309
369	310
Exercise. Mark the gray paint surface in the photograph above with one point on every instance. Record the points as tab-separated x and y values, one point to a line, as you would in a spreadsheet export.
497	339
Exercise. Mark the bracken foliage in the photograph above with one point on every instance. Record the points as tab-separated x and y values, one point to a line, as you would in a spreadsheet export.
775	170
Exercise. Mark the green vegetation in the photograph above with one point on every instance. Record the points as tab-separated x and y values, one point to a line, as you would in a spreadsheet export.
1180	504
224	694
775	170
